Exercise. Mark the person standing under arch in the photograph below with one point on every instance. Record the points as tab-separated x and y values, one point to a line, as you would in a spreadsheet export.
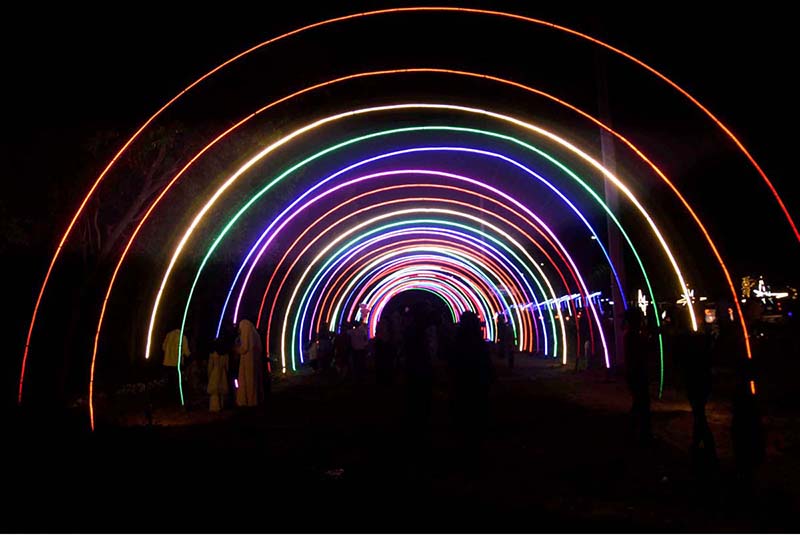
172	360
250	392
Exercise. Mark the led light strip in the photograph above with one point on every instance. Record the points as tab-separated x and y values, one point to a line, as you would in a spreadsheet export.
581	35
494	228
482	283
282	220
393	255
319	234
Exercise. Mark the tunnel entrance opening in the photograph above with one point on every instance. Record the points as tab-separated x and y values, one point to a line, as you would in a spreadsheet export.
430	302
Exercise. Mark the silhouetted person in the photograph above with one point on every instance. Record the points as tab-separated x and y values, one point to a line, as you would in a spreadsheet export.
325	351
251	368
585	347
359	340
636	375
419	369
313	353
172	360
472	373
692	353
384	352
341	351
747	431
505	339
447	336
218	385
195	383
397	328
227	340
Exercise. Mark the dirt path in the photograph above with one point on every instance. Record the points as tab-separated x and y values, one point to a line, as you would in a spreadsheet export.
330	456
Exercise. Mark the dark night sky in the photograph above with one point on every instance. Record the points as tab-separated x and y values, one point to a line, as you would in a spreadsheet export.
75	70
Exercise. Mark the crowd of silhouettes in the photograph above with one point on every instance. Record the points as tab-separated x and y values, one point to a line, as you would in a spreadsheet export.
236	372
694	350
408	341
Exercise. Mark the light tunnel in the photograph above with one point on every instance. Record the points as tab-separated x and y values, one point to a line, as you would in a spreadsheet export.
389	258
327	292
412	200
229	227
185	237
433	186
266	243
653	300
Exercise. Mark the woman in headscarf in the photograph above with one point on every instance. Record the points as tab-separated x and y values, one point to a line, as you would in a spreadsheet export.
217	376
250	392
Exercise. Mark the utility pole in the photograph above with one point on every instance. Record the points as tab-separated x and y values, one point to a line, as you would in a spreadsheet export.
612	200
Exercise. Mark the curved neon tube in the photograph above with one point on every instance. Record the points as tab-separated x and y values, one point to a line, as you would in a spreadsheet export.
420	265
337	257
377	311
389	285
658	171
298	132
310	227
494	228
397	287
381	269
569	31
331	177
380	190
454	243
320	122
319	235
398	256
479	306
500	264
477	301
310	88
439	290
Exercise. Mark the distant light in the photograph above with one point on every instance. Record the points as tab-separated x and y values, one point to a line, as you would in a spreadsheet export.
703	298
663	315
611	303
790	314
594	237
236	382
752	387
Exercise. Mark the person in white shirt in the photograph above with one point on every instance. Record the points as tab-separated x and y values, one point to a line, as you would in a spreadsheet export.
173	358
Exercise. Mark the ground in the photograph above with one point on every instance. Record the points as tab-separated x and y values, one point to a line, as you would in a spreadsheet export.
325	455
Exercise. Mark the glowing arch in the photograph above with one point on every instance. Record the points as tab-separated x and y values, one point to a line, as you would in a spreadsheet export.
394	254
308	228
356	228
309	127
462	266
391	288
378	12
478	300
274	228
406	200
350	269
156	201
